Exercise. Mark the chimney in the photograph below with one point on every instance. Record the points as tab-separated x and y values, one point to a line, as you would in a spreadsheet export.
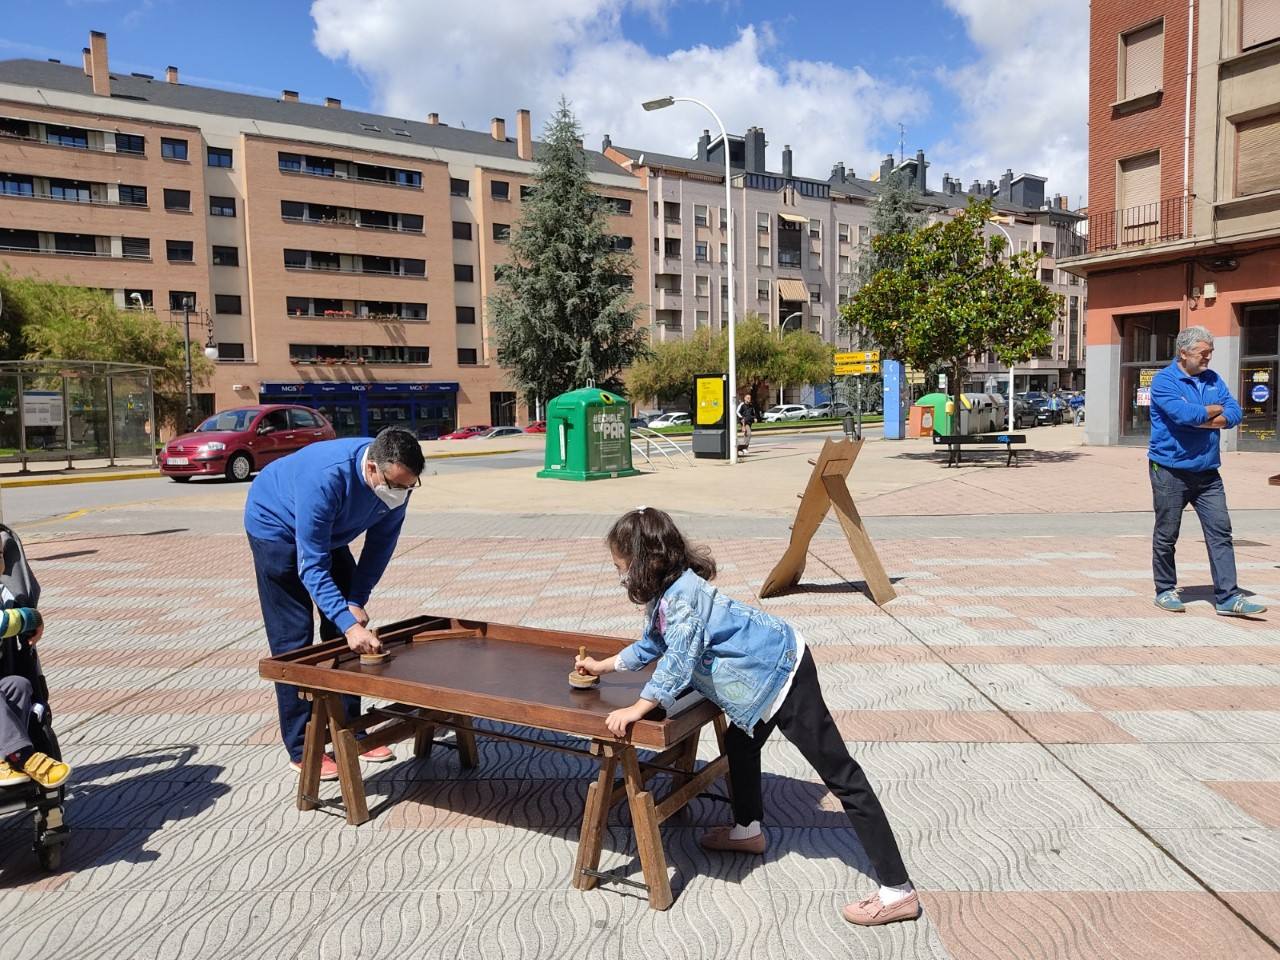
88	66
171	74
1006	187
921	167
433	119
975	188
1028	191
837	173
498	129
991	188
289	96
1063	204
524	135
333	102
98	63
704	145
606	143
786	161
886	167
755	160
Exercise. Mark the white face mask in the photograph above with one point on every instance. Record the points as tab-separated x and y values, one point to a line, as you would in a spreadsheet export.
391	496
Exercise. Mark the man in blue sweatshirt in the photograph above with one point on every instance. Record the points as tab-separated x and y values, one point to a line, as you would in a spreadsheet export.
1189	405
302	513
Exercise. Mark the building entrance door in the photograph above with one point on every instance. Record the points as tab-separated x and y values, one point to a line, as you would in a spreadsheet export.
1258	404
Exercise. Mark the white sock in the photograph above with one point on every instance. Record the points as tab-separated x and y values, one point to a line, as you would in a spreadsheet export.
891	895
740	832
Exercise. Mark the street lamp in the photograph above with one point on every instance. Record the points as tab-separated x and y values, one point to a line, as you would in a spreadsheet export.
660	104
782	328
210	351
996	222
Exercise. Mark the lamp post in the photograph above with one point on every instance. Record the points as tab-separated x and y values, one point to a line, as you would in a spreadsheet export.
782	328
995	222
210	351
660	104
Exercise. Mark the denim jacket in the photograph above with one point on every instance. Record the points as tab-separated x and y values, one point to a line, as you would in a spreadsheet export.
735	655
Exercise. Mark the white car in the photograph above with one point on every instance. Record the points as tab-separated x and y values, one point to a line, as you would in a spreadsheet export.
785	411
670	420
827	410
500	432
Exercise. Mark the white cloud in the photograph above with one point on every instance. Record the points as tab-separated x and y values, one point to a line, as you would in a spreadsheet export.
471	61
1025	99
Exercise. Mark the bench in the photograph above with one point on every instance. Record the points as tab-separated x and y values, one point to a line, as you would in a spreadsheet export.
1275	481
955	444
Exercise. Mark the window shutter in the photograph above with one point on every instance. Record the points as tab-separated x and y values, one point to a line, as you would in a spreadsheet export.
1259	22
1143	61
1140	198
1258	155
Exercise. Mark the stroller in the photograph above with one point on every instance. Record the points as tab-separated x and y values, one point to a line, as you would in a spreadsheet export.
16	657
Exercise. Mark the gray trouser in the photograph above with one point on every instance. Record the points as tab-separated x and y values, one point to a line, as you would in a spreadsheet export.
15	714
1171	491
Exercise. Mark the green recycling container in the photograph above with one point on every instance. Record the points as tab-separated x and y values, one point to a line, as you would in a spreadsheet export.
941	419
588	436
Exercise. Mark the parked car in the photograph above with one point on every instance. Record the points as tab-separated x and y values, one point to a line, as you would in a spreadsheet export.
538	426
237	442
1024	414
828	410
493	432
466	433
673	419
639	421
1050	412
785	411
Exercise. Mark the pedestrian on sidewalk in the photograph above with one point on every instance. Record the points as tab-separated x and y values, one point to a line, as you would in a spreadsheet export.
759	670
1190	405
746	415
302	513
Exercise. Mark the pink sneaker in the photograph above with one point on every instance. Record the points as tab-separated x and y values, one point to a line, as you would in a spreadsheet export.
378	755
717	838
328	768
872	913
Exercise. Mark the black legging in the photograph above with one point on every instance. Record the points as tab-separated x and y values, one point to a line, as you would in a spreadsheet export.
805	720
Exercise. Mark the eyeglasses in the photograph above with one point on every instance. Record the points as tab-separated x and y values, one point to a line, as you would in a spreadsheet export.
417	481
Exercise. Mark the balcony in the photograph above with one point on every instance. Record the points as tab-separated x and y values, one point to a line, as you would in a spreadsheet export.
670	299
1135	227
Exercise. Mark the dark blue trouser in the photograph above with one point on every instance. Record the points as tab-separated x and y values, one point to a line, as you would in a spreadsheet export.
287	615
1171	491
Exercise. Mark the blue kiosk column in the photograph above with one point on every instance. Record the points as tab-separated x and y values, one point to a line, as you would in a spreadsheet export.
895	399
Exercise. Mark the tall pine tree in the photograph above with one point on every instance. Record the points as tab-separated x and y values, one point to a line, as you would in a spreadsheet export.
563	312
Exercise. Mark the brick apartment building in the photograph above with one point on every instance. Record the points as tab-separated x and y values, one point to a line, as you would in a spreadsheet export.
1184	205
335	258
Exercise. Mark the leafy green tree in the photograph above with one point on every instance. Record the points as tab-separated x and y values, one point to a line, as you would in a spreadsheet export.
563	312
954	296
42	319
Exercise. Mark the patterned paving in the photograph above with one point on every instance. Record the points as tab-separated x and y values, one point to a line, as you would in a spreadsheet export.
1071	773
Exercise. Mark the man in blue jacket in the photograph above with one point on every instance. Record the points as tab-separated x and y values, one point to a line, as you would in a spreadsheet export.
1189	405
302	513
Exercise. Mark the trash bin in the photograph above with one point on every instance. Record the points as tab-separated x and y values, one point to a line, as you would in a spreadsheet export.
588	436
937	402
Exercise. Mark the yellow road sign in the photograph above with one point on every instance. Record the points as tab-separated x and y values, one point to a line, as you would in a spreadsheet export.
858	356
848	369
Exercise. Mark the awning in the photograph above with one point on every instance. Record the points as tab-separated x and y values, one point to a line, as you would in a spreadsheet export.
793	218
793	290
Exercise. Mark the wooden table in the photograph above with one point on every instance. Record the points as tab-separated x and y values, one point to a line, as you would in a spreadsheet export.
446	673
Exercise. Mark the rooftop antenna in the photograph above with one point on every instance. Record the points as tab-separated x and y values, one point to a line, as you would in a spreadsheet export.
902	143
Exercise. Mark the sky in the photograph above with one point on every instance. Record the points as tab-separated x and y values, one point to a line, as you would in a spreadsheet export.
980	85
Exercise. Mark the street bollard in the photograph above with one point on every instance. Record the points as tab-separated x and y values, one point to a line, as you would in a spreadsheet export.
848	425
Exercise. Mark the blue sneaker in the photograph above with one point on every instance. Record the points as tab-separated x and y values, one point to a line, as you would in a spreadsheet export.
1240	606
1169	600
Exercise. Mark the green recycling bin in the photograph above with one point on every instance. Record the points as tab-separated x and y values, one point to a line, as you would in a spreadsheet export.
588	436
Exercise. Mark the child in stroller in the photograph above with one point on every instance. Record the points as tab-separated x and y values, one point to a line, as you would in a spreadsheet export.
32	774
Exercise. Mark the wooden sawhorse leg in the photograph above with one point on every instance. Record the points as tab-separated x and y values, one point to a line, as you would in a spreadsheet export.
645	822
313	751
346	752
595	818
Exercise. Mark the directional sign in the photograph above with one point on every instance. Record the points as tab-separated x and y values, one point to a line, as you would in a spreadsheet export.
847	369
858	356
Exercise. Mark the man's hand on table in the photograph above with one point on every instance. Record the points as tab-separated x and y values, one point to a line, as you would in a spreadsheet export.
362	640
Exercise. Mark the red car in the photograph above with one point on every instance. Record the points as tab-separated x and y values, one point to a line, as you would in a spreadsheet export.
237	442
466	433
538	426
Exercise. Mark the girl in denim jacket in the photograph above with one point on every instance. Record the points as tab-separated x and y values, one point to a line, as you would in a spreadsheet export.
760	672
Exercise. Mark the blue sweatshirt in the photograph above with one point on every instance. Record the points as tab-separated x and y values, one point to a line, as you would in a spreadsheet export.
317	499
1178	403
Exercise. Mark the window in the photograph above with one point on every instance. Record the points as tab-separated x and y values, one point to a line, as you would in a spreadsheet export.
466	314
702	285
130	143
179	200
218	157
762	256
842	232
701	318
230	351
1046	276
700	215
700	251
73	190
464	273
461	230
295	259
413	267
1259	22
815	229
500	190
226	257
845	294
290	162
16	185
1258	155
846	264
815	258
620	244
500	271
467	356
459	188
671	212
178	299
226	303
137	299
135	248
172	149
724	218
132	196
1141	66
724	253
527	191
300	419
762	222
222	206
762	289
502	233
66	136
297	306
1146	344
815	293
179	251
1138	198
655	209
411	222
620	205
413	311
864	233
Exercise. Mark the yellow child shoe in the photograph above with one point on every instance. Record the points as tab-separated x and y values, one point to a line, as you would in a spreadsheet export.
46	771
9	777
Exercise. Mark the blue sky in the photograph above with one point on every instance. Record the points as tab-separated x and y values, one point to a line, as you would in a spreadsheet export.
834	80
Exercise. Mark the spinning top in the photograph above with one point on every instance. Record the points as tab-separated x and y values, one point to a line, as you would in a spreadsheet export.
374	658
582	681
